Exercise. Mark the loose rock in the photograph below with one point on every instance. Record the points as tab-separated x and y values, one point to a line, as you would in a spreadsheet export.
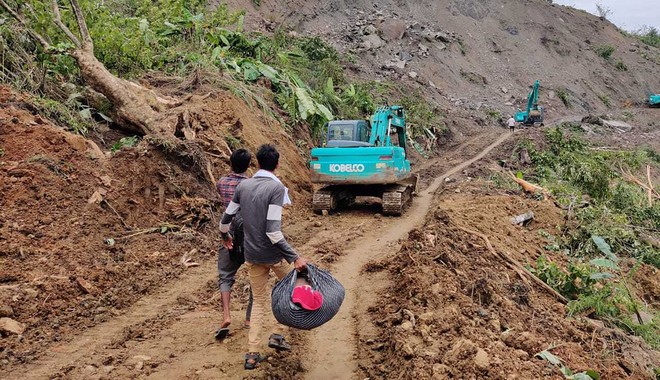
481	359
10	326
372	41
6	311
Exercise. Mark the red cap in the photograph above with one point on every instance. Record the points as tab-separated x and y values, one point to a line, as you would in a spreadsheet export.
307	298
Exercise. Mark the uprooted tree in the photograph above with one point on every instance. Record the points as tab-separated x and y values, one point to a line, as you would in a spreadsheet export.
136	109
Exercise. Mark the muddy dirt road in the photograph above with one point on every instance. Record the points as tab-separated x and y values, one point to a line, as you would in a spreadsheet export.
169	334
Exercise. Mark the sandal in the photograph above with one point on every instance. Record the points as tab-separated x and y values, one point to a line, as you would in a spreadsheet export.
255	357
221	333
277	342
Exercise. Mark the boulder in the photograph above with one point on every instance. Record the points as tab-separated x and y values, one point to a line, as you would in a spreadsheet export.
442	36
620	125
405	56
392	30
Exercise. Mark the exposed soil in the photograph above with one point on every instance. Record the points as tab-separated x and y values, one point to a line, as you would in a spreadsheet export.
91	242
457	311
85	234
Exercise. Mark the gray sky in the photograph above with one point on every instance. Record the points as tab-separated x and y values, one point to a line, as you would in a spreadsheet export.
627	14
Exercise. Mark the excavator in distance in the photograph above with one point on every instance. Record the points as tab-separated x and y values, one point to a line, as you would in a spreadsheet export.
362	158
654	100
533	114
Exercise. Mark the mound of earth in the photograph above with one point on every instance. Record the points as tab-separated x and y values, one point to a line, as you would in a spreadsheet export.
456	310
85	233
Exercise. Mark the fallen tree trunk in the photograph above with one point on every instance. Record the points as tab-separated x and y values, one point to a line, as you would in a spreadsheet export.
136	109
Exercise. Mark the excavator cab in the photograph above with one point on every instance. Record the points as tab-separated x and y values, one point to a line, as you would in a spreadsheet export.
346	133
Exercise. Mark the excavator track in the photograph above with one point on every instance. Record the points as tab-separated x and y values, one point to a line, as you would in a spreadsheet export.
396	198
324	199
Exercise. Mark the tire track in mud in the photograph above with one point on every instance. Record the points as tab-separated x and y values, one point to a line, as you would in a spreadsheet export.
332	348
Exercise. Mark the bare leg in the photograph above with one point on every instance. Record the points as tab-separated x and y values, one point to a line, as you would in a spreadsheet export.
226	311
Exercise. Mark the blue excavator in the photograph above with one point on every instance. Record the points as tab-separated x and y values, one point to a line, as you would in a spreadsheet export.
654	100
533	114
364	158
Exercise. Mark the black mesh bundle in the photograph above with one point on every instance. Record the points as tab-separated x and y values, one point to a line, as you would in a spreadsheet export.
288	313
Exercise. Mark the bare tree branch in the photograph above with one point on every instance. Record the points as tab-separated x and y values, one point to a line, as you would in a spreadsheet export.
57	17
36	36
82	25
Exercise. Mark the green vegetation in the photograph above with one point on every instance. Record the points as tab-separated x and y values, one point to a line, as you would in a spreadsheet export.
608	219
493	114
421	117
182	37
72	116
567	372
621	66
649	35
605	99
563	95
124	142
599	288
604	51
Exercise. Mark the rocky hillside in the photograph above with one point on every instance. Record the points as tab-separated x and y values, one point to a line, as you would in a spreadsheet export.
478	53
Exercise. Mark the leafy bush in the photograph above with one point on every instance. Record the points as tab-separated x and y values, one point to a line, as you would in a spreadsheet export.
420	115
617	209
605	51
493	114
597	287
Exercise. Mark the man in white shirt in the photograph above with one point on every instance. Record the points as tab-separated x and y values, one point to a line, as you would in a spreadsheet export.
512	124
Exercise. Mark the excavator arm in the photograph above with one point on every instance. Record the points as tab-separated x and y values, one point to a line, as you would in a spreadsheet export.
384	122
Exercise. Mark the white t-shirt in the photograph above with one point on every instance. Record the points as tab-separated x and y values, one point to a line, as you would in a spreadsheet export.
512	122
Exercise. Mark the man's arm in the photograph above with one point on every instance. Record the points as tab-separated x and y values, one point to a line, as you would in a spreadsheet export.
274	225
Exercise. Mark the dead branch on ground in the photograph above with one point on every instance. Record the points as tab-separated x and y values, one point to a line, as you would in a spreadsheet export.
515	265
651	193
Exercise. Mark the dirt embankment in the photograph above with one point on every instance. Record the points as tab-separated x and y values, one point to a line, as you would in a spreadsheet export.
457	311
85	233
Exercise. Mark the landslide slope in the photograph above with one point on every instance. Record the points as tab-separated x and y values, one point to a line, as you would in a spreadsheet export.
477	52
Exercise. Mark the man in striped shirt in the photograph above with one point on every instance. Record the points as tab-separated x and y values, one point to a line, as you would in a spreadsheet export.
260	200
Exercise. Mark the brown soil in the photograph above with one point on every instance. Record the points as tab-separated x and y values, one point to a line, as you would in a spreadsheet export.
69	261
132	310
456	311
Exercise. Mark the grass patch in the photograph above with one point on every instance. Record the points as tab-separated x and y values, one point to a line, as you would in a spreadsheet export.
620	66
564	96
605	99
605	51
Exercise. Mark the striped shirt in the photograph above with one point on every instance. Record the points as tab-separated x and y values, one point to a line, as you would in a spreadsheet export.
259	200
